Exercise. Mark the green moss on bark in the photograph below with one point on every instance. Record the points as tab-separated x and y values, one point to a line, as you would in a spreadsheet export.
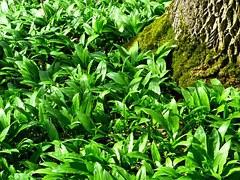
191	60
156	34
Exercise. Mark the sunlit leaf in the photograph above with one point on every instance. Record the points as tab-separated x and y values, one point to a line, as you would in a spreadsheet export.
221	158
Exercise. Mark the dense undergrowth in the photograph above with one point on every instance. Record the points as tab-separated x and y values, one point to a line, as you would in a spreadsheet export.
75	104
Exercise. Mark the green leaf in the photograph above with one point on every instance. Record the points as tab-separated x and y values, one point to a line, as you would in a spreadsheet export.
51	129
147	78
4	133
7	50
223	129
155	153
213	143
124	174
123	52
221	158
44	77
130	144
201	138
187	97
98	173
173	116
101	70
76	103
48	10
85	120
232	171
203	97
141	174
9	151
143	143
83	55
157	117
133	50
138	155
154	86
47	124
118	78
166	172
88	29
91	38
5	119
29	71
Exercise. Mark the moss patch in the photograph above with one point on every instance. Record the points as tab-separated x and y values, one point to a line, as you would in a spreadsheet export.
191	60
156	34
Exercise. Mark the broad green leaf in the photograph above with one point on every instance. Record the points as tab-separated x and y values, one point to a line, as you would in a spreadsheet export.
47	124
51	129
203	97
118	78
176	161
154	86
235	115
142	174
213	143
88	29
216	82
164	50
83	55
147	78
9	151
98	172
76	103
155	153
82	39
4	119
123	52
221	158
124	174
134	84
91	38
232	171
173	116
7	50
48	11
149	168
133	50
195	96
1	103
157	117
101	70
138	155
143	143
168	162
130	143
223	129
165	172
85	120
187	97
201	138
29	71
45	77
4	133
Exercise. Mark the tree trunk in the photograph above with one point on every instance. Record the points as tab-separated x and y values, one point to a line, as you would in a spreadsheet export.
207	33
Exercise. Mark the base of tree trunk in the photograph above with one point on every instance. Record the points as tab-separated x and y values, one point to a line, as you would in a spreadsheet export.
191	59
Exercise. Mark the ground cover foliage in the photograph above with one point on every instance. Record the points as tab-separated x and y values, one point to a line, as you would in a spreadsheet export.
76	104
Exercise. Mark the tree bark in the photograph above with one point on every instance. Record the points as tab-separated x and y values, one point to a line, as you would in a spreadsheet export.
214	22
207	33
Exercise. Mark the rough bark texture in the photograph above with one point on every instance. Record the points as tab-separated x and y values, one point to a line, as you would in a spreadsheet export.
214	22
207	33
